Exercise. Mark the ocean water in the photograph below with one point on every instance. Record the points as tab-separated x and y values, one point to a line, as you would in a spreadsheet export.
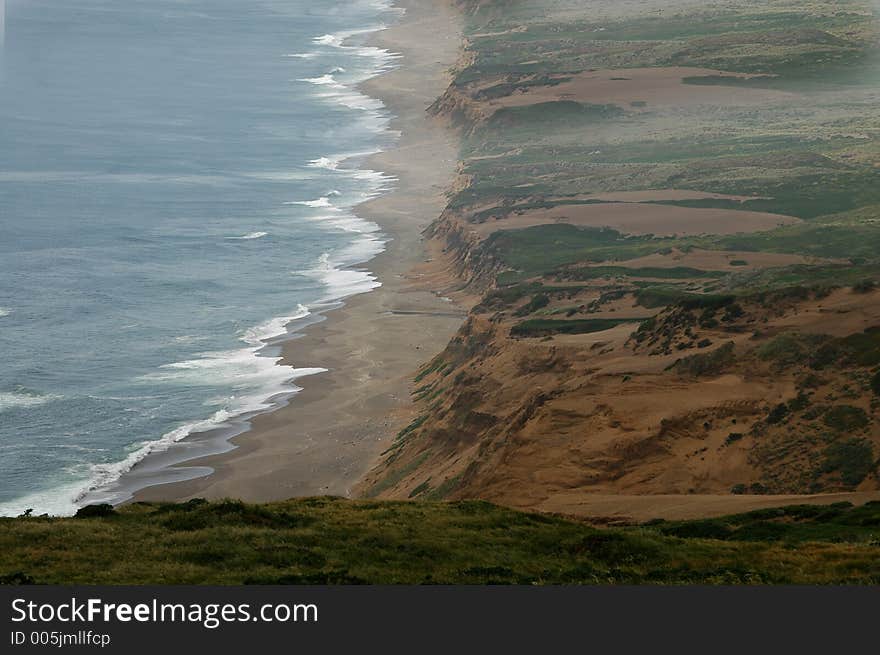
176	185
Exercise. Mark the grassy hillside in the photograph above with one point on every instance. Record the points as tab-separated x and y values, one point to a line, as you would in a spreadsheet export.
335	541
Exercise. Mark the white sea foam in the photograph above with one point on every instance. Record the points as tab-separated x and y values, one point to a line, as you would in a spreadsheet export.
341	281
102	475
249	237
254	378
5	311
23	399
273	328
320	202
57	501
324	80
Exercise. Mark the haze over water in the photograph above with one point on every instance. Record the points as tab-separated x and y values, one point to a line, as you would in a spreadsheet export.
174	187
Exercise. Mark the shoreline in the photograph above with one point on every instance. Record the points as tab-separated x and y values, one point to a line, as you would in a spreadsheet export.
323	439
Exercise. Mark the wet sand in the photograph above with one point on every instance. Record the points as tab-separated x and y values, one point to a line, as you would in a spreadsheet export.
332	432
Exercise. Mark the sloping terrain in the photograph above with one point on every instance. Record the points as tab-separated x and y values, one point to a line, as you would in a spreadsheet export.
336	541
667	224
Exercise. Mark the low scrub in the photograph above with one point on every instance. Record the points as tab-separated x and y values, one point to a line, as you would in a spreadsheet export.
712	363
337	541
546	327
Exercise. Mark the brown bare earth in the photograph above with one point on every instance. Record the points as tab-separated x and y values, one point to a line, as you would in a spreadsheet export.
716	260
657	87
604	424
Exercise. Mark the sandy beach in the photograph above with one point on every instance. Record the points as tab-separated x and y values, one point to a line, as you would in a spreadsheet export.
331	433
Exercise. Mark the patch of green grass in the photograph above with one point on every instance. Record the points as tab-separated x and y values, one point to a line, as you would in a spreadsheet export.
671	273
434	366
444	488
653	296
545	248
792	525
846	236
395	474
337	541
538	302
420	489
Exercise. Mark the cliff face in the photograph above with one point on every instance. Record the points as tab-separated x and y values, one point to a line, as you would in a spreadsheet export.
524	421
652	257
470	260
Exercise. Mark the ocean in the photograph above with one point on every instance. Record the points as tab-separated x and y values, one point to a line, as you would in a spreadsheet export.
176	190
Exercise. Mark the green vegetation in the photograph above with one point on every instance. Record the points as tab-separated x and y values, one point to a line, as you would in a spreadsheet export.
821	351
846	418
711	363
547	114
544	248
335	541
539	301
814	157
672	273
538	327
852	459
395	474
793	525
653	297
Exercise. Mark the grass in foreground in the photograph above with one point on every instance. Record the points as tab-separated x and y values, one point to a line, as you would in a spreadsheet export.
336	541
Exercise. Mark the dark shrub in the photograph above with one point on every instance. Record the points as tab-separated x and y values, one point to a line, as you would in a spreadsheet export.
845	418
761	531
95	511
616	549
864	286
853	459
708	529
711	363
17	579
778	414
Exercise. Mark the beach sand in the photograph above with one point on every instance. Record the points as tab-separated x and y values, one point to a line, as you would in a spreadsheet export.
333	431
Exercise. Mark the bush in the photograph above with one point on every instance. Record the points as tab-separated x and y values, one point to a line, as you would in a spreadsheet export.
875	384
853	459
540	301
711	363
846	418
864	286
778	414
538	327
706	529
17	579
95	511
